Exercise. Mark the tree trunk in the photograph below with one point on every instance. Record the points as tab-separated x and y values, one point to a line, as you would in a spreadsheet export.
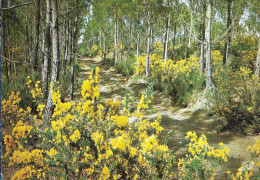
72	80
4	40
228	40
55	52
28	44
66	49
47	50
148	44
151	36
191	24
71	44
202	44
37	30
138	42
257	64
72	67
116	38
129	35
9	50
166	39
174	40
208	46
121	48
101	41
105	47
74	54
31	47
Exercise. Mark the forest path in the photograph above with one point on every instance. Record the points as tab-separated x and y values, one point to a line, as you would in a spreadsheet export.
177	121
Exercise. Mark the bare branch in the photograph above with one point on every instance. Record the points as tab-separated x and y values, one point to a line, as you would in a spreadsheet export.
18	5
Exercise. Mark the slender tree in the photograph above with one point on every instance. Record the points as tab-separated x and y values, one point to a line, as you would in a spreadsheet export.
228	39
116	35
202	43
67	44
55	52
257	64
208	44
148	42
37	35
176	10
191	26
74	52
47	49
168	21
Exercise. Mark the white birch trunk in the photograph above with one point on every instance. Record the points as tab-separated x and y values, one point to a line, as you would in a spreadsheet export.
208	46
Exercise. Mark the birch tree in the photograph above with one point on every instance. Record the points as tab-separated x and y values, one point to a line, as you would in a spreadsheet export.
228	39
148	41
37	31
257	69
168	21
208	44
47	50
55	52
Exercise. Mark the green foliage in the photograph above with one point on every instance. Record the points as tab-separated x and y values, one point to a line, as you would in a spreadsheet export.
17	83
94	50
179	78
126	67
108	62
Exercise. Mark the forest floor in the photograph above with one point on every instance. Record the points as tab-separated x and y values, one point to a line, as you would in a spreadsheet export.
176	120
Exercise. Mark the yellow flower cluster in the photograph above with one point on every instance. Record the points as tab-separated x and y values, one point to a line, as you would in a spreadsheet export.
216	58
97	137
120	142
37	92
27	157
244	172
93	50
183	66
104	174
156	63
158	47
52	152
89	88
21	130
200	151
10	110
200	146
9	145
121	121
256	149
143	103
25	173
75	136
169	72
247	169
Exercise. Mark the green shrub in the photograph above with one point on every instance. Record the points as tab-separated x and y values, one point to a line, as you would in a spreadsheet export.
236	97
126	67
18	83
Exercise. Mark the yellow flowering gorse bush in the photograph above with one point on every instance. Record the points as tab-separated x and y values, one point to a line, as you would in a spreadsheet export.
237	96
177	78
202	158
